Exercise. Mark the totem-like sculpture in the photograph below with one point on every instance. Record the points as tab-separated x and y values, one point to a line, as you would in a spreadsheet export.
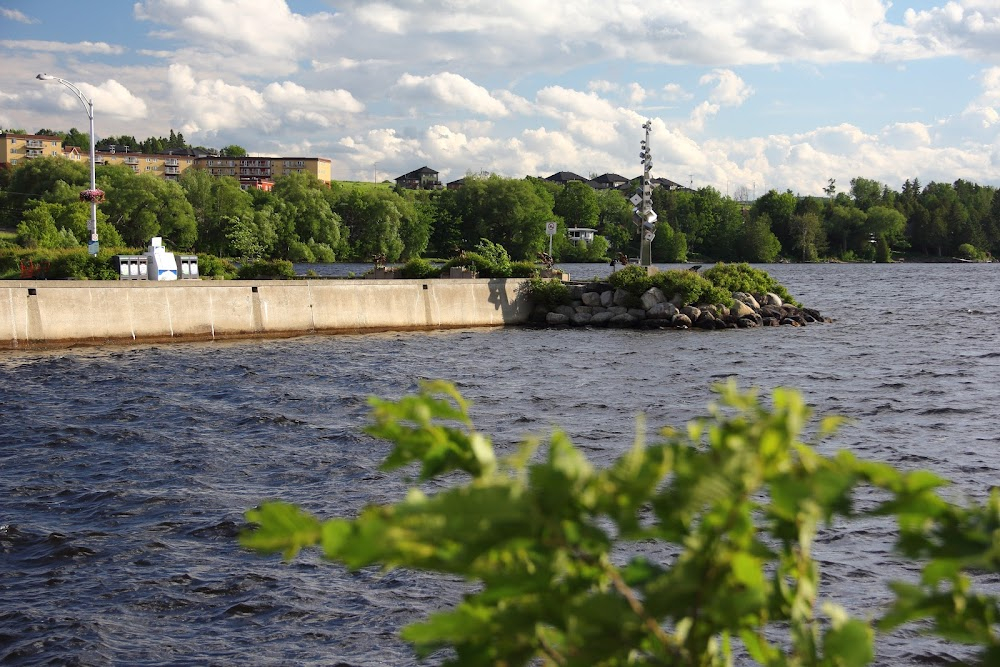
643	214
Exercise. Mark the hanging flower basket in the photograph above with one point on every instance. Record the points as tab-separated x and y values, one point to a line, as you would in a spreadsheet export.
95	196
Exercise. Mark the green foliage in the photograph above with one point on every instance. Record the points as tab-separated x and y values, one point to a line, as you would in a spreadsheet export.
275	268
736	499
523	270
692	287
210	266
633	278
969	251
496	258
419	269
744	278
547	292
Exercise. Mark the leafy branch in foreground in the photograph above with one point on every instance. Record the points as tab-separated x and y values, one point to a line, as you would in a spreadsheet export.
735	500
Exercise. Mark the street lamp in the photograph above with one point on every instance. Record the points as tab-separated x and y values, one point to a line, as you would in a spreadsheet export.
94	194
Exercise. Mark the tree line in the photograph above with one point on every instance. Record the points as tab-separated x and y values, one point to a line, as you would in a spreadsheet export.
303	219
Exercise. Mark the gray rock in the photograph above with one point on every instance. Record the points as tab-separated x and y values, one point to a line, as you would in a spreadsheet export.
591	299
568	311
741	309
662	310
601	318
748	299
637	313
617	310
556	319
681	320
693	312
581	319
622	320
607	298
651	297
576	292
621	297
772	299
584	309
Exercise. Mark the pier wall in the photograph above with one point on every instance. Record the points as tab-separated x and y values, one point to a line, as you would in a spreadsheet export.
58	313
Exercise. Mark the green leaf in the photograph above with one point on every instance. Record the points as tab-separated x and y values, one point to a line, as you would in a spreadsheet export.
849	644
280	527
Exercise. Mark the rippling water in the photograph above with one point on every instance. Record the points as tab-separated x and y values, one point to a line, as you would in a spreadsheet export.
125	472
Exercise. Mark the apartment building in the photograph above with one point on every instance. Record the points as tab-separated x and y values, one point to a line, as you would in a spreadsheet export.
252	172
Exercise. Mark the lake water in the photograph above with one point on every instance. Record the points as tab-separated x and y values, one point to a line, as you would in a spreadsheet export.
125	471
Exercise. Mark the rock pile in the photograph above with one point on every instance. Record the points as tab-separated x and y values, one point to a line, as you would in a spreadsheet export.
600	304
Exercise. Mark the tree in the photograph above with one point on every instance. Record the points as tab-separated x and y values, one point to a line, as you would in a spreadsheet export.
614	221
866	193
233	150
886	223
507	211
142	206
216	202
728	507
779	209
35	178
76	138
758	242
372	221
846	223
808	238
577	204
306	211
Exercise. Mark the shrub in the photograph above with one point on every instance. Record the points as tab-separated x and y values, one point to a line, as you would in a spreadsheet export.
969	251
210	266
744	278
723	515
273	268
692	287
496	257
472	261
633	278
523	270
550	293
419	269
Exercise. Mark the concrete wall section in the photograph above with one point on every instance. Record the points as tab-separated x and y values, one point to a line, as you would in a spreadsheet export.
54	313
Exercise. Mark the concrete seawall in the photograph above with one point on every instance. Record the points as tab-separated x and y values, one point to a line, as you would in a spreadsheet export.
59	313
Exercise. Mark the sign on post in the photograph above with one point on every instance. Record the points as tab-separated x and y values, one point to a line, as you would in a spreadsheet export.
550	229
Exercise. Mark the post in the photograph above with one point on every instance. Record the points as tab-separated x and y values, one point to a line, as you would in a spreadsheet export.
643	214
88	105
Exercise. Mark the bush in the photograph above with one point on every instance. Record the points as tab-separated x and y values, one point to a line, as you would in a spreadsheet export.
273	268
419	269
523	270
210	266
969	251
744	278
692	287
723	515
496	257
550	293
633	278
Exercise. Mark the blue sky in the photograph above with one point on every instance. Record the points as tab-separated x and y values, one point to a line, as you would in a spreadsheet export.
744	95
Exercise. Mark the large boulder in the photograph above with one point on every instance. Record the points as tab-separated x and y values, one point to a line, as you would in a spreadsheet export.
567	311
748	299
621	297
637	313
581	319
693	312
741	309
772	299
680	320
601	318
664	310
623	320
651	297
556	319
591	299
608	298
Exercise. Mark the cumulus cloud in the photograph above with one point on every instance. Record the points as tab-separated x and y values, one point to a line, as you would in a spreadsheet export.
730	90
674	92
449	89
246	27
86	48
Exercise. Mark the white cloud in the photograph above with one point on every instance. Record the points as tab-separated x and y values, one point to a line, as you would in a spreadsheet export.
449	89
730	90
674	92
111	98
15	15
292	95
87	48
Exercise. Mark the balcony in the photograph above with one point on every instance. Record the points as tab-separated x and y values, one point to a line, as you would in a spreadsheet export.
33	152
132	160
171	171
34	143
170	162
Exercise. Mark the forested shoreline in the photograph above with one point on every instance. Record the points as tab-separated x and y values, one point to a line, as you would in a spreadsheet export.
304	220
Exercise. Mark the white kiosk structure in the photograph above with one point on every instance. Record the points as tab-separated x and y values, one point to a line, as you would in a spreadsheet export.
161	264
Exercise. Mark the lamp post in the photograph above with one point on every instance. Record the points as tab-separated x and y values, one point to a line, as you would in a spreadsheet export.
92	245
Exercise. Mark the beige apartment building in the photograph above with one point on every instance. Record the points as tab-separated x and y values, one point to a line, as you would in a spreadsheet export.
252	172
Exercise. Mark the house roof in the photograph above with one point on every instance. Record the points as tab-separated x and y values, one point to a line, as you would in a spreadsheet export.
610	179
566	177
423	171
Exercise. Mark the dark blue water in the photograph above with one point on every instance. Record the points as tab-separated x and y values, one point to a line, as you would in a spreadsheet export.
125	471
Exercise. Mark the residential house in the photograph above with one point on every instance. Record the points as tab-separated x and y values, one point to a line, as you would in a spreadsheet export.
424	178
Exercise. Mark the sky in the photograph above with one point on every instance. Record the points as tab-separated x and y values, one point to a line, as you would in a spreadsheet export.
744	95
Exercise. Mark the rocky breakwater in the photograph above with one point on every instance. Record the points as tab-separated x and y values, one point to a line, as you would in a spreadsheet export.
602	305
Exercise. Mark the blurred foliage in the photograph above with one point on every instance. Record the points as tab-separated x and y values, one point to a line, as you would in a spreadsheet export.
556	549
744	278
273	268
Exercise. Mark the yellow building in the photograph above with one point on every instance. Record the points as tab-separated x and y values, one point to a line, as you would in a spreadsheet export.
20	147
250	171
